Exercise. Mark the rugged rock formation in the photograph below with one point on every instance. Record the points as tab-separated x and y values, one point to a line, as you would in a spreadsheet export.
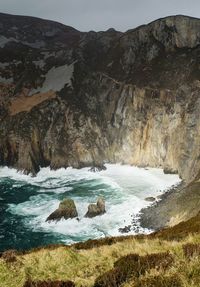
66	210
79	99
96	209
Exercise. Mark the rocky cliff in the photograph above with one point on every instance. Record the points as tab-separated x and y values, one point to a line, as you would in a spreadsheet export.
69	98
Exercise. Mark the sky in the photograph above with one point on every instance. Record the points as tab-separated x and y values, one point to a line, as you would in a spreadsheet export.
98	15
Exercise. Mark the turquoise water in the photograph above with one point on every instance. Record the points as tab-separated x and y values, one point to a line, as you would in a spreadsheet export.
25	203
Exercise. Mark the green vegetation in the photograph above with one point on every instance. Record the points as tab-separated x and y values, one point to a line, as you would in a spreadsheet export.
168	258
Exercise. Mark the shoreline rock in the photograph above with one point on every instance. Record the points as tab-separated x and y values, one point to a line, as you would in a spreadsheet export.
150	199
125	229
174	206
97	168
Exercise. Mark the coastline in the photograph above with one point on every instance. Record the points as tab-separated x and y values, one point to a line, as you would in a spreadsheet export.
121	185
178	204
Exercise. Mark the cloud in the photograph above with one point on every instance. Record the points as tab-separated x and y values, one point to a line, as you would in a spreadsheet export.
98	15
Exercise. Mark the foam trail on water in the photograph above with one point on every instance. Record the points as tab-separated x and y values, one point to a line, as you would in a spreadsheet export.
124	188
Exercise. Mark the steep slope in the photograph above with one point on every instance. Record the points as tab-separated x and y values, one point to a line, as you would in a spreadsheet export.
77	99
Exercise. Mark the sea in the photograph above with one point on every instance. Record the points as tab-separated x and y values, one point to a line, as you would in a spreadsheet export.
26	201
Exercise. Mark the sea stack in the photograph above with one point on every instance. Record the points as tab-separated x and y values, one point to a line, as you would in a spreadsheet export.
96	209
67	209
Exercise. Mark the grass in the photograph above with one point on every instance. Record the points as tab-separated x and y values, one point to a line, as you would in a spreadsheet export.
57	283
159	280
125	261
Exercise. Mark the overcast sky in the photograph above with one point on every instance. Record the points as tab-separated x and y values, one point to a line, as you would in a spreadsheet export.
98	15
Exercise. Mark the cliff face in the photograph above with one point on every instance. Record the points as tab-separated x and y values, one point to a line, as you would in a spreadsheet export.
77	99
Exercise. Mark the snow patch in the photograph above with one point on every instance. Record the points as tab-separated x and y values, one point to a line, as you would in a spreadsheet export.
4	41
56	79
6	81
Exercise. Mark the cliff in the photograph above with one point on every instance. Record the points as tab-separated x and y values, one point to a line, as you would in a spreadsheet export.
77	99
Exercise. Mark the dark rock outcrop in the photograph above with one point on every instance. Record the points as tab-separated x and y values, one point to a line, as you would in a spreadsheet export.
97	168
66	210
125	229
150	199
96	209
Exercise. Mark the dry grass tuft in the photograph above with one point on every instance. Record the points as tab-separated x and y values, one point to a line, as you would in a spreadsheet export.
157	260
9	256
191	250
30	283
179	231
159	281
94	243
133	265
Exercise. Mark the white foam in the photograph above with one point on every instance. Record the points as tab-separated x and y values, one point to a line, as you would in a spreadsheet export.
124	188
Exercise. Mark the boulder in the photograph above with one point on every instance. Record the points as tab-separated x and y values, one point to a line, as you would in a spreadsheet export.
67	209
97	168
168	170
96	209
125	229
150	199
159	196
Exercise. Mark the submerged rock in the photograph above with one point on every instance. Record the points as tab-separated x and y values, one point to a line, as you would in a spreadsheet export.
168	170
66	210
97	168
150	199
125	229
159	197
96	209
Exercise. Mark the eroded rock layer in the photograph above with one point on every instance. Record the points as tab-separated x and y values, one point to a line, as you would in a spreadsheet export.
79	99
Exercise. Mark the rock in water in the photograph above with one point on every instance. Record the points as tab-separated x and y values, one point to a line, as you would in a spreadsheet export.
67	209
101	204
97	168
125	229
96	209
150	199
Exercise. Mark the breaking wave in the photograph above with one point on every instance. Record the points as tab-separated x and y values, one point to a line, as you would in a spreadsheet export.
27	201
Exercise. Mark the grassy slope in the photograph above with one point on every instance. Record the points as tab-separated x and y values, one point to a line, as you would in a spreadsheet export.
83	263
